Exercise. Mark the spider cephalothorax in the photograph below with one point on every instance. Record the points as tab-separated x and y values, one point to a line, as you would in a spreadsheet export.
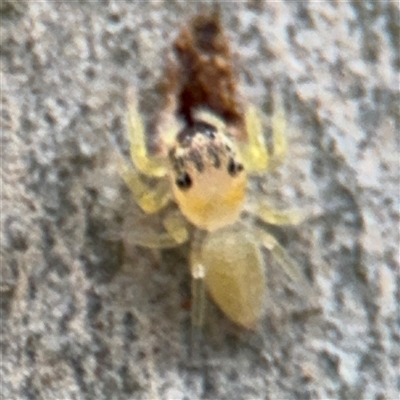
207	175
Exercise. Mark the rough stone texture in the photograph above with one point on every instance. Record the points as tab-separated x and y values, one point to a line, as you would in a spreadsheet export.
77	324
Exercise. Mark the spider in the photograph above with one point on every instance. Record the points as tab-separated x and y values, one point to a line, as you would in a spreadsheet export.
205	159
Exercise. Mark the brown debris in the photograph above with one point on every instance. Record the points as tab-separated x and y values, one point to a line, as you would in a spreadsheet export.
201	74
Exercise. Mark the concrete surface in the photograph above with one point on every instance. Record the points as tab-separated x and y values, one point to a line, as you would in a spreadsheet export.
77	323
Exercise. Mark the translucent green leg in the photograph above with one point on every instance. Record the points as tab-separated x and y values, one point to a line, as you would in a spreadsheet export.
198	305
177	227
257	206
197	314
291	268
175	233
150	200
255	153
146	164
278	136
151	239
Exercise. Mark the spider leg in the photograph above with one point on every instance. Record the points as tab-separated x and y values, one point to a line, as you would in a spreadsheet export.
255	152
176	232
147	165
199	300
152	240
150	200
176	226
270	215
278	136
290	267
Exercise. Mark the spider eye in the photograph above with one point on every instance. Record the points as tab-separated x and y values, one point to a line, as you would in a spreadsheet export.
234	167
184	181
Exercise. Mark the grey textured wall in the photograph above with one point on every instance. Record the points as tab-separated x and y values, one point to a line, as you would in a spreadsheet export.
77	323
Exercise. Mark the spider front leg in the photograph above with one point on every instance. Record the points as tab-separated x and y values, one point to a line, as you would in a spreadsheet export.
278	136
258	159
255	153
150	200
146	164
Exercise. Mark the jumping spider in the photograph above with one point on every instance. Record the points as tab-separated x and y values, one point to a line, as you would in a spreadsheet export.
203	165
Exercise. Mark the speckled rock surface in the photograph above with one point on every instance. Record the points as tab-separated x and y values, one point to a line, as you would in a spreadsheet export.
76	323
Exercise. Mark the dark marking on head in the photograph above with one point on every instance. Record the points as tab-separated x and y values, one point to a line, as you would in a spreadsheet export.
177	163
184	181
197	160
214	156
234	168
171	153
180	162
